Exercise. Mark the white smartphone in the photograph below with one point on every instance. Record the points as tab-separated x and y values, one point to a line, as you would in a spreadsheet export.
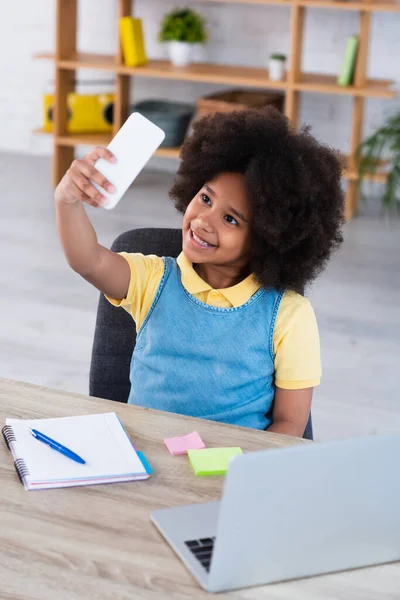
133	146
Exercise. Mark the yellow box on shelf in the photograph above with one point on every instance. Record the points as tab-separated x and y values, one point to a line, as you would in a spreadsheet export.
132	42
87	113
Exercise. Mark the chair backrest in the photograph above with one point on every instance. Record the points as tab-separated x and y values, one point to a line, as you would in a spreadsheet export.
115	332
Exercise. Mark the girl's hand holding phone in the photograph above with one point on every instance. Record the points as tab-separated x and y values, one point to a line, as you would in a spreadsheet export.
88	179
76	186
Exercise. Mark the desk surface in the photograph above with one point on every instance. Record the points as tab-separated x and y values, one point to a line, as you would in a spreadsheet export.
97	542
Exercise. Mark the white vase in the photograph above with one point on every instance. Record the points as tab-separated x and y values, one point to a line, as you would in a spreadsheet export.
180	53
276	69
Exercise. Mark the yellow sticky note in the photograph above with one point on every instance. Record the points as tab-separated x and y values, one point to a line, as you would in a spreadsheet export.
212	461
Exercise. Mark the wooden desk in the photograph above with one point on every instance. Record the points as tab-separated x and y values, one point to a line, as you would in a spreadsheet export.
98	543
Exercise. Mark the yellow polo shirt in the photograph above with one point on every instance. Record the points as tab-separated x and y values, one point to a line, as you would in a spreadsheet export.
296	338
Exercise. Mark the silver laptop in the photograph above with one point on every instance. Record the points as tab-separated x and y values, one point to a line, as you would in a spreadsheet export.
292	513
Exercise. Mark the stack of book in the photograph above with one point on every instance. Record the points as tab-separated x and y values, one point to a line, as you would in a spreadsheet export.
131	34
346	76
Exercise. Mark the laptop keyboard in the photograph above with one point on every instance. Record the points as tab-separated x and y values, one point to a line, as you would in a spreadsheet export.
202	549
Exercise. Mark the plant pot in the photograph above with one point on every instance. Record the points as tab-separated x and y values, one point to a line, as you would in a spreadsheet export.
180	53
276	67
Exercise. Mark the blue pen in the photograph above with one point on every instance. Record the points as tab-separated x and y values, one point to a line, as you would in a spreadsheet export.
56	446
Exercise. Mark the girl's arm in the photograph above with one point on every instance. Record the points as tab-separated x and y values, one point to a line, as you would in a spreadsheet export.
106	270
291	411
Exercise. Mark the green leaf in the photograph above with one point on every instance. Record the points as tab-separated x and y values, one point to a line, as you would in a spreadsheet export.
183	25
384	144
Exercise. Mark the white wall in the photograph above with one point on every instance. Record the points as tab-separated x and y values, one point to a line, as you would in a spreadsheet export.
239	34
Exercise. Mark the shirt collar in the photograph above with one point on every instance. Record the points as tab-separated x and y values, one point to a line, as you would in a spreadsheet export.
237	294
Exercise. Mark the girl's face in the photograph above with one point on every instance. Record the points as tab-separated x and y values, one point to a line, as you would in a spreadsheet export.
216	224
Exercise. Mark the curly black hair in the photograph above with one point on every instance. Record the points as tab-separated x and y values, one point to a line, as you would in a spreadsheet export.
293	183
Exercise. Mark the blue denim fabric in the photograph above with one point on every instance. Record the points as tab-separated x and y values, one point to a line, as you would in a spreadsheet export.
199	360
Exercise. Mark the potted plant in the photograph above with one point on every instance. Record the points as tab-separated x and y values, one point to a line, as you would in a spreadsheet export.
381	151
181	29
276	67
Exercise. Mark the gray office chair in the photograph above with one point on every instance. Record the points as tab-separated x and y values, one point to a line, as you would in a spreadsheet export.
115	332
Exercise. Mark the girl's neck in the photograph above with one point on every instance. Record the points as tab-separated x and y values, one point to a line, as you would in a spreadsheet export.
221	276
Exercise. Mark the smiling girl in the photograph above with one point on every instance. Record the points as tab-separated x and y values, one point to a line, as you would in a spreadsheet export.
223	330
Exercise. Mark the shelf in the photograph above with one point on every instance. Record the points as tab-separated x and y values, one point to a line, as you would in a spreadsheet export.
206	73
227	75
100	139
266	2
377	6
351	174
352	5
375	177
326	84
294	86
163	69
84	60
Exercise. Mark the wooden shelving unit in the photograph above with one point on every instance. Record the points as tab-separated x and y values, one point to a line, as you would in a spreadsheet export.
67	61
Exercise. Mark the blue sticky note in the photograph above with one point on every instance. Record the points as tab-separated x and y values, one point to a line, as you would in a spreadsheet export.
144	462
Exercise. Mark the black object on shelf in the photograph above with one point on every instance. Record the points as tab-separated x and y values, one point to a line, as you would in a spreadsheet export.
173	117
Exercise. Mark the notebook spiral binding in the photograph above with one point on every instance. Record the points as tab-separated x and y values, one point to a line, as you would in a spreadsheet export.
19	464
8	435
21	468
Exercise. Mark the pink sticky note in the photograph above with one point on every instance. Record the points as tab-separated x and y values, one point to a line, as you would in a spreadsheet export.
180	445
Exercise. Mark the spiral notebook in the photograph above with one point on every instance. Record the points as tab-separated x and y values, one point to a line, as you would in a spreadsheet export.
99	439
